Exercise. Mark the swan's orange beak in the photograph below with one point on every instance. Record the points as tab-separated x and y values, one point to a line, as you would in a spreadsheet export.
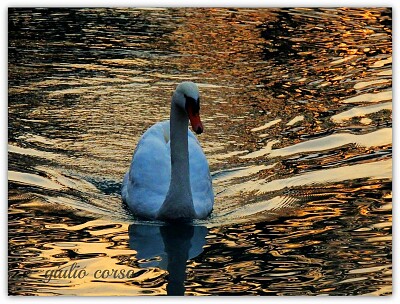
194	117
195	121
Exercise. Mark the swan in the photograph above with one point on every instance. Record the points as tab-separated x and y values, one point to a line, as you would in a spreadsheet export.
169	178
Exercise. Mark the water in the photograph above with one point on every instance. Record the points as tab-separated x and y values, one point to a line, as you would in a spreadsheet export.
297	109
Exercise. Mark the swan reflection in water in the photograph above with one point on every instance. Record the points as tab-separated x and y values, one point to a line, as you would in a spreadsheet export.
168	247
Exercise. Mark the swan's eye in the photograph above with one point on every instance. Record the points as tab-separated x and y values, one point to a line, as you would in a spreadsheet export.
192	104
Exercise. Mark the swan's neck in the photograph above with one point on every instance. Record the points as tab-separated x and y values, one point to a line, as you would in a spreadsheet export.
178	204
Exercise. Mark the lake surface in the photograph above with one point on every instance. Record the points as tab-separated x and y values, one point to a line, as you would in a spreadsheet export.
297	110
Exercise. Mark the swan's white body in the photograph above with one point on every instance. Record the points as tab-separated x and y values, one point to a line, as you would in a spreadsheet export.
169	178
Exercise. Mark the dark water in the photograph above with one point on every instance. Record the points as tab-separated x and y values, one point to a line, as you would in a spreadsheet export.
297	108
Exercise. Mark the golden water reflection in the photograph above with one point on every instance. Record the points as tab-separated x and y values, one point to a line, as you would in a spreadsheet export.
297	108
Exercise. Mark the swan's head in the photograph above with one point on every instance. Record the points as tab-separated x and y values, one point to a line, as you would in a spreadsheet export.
188	98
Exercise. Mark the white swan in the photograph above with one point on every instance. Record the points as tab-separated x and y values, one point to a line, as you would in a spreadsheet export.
169	178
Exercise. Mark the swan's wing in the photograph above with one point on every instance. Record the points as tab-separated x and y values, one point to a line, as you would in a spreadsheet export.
148	178
200	178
